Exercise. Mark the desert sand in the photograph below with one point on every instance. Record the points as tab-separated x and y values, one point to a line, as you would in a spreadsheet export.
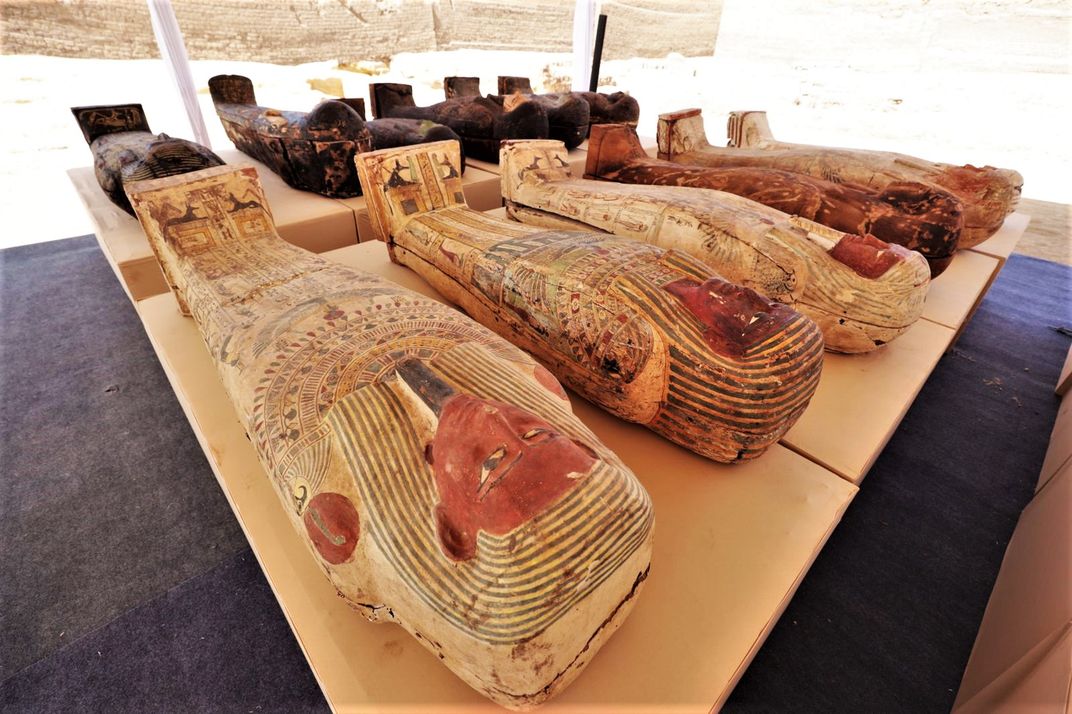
956	81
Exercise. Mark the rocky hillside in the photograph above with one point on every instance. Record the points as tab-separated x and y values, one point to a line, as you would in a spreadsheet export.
311	30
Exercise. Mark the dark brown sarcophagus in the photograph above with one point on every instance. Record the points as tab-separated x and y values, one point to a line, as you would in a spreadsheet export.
914	215
461	87
480	122
568	114
613	108
125	150
565	116
312	151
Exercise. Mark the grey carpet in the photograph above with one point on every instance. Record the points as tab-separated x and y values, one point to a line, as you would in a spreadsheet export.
107	499
215	643
116	530
886	618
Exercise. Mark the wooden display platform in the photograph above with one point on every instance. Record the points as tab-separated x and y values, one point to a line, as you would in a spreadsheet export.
481	188
1003	243
732	544
861	400
305	219
956	294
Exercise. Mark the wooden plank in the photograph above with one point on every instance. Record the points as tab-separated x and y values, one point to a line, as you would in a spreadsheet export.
955	294
577	159
1002	244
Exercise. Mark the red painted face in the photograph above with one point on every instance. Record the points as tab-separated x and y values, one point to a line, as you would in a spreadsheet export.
735	318
867	256
496	467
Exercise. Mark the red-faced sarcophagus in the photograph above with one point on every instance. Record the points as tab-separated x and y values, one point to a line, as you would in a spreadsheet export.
914	215
311	151
988	194
861	291
650	335
481	122
124	149
436	472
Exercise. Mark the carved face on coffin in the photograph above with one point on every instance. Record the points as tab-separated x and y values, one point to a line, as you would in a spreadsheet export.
496	466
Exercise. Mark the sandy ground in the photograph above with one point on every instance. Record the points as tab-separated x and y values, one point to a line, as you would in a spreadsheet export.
1001	117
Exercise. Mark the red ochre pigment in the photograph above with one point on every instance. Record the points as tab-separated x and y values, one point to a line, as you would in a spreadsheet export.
333	526
496	467
735	318
548	382
867	255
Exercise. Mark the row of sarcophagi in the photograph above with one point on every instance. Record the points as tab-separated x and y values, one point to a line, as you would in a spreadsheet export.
430	458
929	207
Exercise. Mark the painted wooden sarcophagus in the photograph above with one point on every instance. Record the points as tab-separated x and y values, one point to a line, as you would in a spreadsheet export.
988	194
910	214
565	117
435	471
124	149
480	122
651	335
612	108
311	151
861	291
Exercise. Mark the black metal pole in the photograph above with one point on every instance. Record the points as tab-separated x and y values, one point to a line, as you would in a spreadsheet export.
597	52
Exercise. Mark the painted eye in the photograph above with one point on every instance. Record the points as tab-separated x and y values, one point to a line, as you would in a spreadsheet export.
494	459
533	433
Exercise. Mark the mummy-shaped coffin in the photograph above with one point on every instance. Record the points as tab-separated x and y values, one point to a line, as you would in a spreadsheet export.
436	472
862	292
312	151
481	122
613	108
988	194
569	114
912	215
652	336
125	150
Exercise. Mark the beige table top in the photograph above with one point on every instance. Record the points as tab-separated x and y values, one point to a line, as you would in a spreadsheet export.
305	219
732	543
954	295
1059	451
1064	382
1002	244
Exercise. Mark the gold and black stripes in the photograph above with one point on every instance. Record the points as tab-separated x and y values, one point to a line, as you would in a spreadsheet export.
518	584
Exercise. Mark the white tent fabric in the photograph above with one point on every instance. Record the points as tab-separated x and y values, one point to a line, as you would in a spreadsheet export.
173	51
